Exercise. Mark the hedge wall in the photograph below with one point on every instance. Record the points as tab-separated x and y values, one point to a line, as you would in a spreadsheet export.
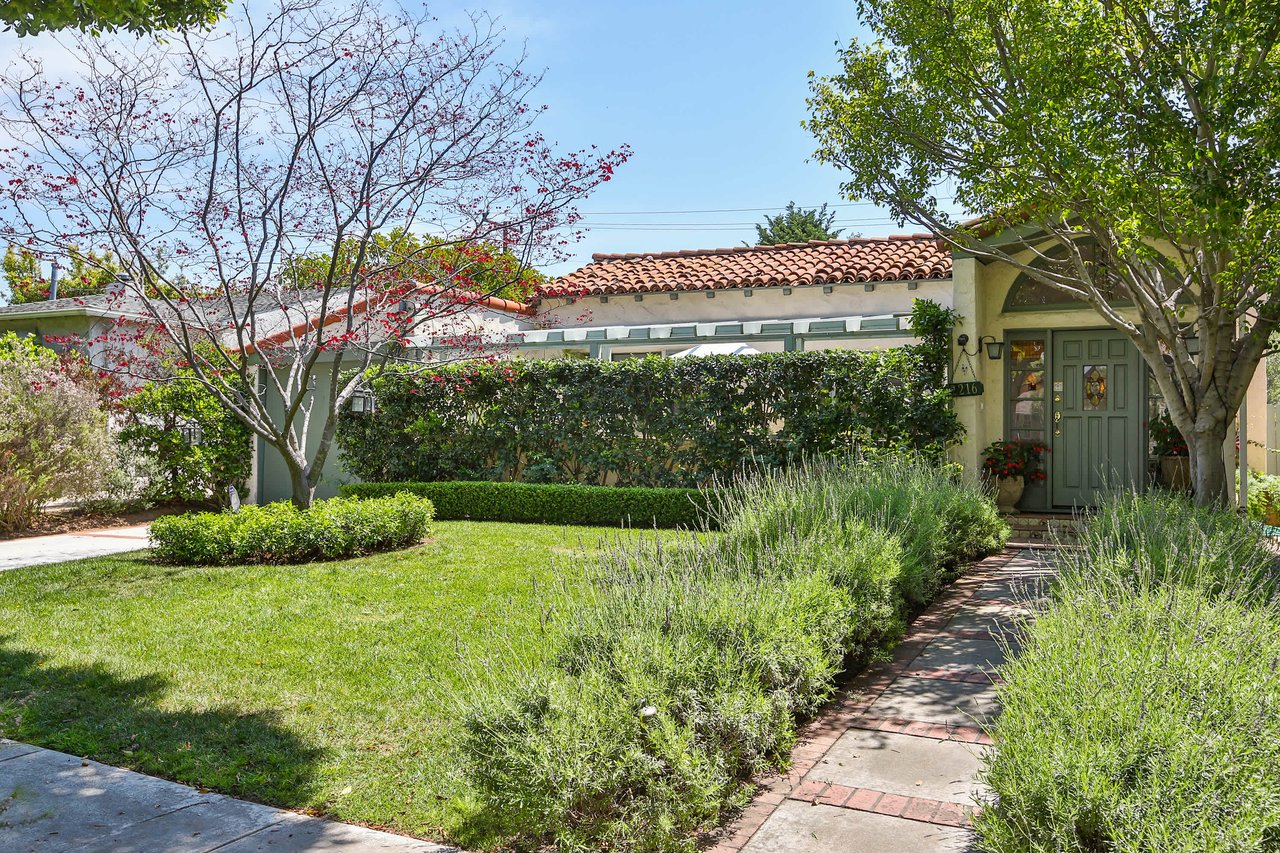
646	422
542	503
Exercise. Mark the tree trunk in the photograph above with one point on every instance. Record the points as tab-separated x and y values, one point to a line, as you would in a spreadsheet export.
304	491
1208	469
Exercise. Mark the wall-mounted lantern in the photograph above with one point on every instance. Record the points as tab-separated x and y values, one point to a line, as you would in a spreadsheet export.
192	434
995	348
362	402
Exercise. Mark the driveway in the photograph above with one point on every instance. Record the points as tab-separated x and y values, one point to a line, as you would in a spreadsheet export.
38	550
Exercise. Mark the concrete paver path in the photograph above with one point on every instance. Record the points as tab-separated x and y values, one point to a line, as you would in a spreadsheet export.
57	547
893	765
52	802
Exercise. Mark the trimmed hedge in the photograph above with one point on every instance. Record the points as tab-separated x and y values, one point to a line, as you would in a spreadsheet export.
645	422
1140	712
685	666
609	506
281	533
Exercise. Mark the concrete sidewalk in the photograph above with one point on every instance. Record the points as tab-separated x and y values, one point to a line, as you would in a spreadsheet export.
54	802
57	547
893	764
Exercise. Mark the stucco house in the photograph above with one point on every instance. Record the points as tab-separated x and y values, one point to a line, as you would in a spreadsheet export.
84	317
855	294
1058	375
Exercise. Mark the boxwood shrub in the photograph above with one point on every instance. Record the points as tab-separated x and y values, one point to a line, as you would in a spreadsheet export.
684	668
552	503
281	533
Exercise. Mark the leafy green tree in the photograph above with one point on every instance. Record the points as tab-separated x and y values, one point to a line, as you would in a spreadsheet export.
28	17
401	255
21	272
87	274
1124	152
200	473
797	225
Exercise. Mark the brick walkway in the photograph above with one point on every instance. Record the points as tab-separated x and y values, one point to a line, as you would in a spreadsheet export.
892	764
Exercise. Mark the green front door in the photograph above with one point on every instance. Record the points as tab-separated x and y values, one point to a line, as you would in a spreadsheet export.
1096	428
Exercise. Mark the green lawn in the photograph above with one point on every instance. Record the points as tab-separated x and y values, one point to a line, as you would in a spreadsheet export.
330	686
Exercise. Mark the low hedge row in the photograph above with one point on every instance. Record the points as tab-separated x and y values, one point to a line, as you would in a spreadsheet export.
1140	713
280	533
686	667
552	504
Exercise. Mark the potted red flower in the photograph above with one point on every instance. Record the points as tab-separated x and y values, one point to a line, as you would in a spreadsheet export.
1171	449
1011	465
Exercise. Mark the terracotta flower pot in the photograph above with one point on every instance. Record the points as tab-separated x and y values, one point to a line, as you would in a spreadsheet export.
1008	493
1175	471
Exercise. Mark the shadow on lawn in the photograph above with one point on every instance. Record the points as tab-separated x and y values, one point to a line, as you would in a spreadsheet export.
90	711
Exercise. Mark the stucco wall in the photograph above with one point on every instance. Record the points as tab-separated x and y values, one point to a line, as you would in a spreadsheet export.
763	303
75	325
273	474
980	294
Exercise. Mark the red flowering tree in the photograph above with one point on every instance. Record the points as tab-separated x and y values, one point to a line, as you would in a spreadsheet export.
247	180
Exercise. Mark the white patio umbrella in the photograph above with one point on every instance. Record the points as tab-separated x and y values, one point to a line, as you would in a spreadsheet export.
717	349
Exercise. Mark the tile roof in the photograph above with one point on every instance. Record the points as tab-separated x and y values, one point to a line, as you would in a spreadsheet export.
49	306
860	259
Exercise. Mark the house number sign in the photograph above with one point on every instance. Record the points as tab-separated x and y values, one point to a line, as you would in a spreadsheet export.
966	389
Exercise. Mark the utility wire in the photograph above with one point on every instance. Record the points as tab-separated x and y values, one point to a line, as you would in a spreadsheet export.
588	222
727	209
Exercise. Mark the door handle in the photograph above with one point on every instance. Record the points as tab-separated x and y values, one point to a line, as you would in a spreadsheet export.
1057	416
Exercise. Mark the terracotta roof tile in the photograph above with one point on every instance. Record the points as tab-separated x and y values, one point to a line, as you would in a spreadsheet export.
861	259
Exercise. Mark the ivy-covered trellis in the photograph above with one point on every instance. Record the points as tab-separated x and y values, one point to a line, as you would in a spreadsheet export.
653	421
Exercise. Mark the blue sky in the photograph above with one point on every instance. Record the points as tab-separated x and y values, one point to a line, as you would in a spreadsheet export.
710	95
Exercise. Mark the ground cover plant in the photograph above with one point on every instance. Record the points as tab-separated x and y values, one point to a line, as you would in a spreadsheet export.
547	503
325	686
684	667
281	533
1140	712
1159	538
941	520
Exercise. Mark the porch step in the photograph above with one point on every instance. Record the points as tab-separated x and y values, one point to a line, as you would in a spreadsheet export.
1042	528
